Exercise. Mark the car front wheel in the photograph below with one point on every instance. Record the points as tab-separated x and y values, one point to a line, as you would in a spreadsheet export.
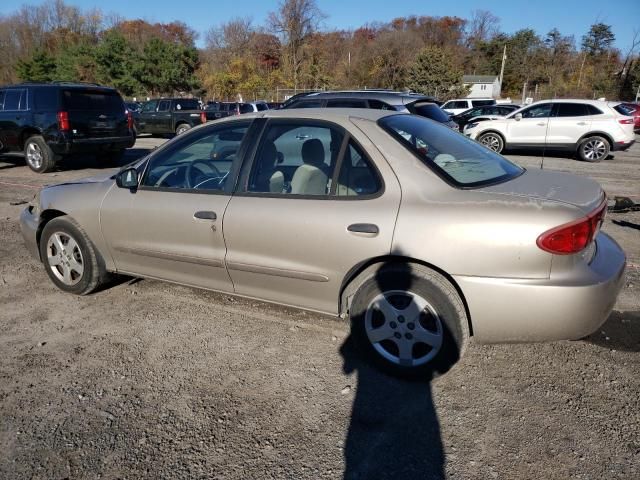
70	258
183	127
492	141
410	321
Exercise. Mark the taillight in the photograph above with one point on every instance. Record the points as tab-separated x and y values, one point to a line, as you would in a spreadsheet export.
129	120
203	117
575	236
626	121
63	121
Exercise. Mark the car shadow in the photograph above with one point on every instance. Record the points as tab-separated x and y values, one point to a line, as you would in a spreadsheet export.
393	431
8	160
550	153
79	162
624	223
621	331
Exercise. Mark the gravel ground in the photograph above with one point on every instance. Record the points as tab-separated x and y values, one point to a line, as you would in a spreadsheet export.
152	380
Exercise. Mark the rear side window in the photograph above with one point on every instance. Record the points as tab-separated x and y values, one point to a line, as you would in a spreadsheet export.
430	110
378	105
482	103
571	110
187	104
46	98
164	105
357	175
15	99
594	110
245	107
92	100
459	160
262	107
346	103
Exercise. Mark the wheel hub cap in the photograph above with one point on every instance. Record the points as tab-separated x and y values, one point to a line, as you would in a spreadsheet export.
34	155
404	328
65	258
594	149
491	142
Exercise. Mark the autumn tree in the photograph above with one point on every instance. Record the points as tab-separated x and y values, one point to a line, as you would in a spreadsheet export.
433	73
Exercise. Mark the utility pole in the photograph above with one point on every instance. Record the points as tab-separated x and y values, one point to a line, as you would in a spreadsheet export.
504	59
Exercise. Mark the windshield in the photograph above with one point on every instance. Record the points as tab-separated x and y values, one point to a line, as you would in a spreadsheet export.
459	160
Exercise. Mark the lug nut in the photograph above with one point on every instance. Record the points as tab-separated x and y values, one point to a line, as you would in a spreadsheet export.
411	326
393	324
408	336
400	318
397	335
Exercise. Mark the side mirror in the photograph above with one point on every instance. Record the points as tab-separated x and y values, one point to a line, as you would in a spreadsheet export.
518	117
127	178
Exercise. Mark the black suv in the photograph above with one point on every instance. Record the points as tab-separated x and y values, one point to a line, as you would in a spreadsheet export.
51	120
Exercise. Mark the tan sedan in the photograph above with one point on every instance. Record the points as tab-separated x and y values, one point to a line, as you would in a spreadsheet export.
419	235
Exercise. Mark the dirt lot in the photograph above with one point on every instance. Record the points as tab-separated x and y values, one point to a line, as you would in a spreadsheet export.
151	380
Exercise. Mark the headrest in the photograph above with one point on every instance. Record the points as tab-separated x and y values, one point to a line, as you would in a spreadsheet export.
313	152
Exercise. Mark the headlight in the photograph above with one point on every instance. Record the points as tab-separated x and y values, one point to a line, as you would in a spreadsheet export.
471	125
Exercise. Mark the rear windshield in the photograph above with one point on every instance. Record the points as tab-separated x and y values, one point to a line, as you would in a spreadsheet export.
454	157
430	110
92	100
624	109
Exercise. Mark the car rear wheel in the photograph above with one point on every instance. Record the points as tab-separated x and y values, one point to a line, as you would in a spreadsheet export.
183	127
410	321
492	141
69	257
594	149
38	155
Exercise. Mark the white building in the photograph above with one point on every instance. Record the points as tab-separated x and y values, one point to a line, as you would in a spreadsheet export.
482	86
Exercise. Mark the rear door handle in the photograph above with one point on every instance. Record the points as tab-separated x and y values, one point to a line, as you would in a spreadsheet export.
205	215
582	123
542	124
368	228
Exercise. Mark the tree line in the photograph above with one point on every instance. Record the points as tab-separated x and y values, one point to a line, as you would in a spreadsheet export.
291	50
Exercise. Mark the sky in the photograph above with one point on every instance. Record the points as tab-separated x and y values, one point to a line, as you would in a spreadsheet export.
571	17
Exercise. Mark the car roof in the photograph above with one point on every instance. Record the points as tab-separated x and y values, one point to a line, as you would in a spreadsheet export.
330	114
570	100
389	96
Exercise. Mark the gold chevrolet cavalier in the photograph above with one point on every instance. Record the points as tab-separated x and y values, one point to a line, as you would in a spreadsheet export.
419	235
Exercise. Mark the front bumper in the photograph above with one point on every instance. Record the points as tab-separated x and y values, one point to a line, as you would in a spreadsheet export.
525	310
29	224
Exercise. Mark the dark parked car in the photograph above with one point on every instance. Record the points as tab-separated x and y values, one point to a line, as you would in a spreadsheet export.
169	115
376	99
51	120
133	107
484	111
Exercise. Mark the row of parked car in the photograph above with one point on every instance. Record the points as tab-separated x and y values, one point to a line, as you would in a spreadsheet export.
51	120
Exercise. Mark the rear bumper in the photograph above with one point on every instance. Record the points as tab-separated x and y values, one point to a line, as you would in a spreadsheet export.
617	146
65	145
524	310
29	224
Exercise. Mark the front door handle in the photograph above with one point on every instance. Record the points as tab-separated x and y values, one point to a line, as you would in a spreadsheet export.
205	215
541	124
368	228
582	123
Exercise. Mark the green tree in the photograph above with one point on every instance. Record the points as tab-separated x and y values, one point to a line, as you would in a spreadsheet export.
598	40
167	67
76	63
39	68
434	73
116	63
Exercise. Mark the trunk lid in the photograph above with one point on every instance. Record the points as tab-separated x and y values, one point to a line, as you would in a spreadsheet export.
95	112
581	192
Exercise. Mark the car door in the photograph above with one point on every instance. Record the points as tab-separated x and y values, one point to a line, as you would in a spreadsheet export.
531	129
13	115
569	122
171	226
162	121
294	244
146	117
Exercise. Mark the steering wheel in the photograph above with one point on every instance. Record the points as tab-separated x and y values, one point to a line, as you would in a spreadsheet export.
190	175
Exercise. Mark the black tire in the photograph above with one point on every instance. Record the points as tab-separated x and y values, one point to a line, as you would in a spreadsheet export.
491	140
594	149
182	128
93	272
38	155
442	298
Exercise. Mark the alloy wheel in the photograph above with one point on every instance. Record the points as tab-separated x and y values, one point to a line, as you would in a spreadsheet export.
34	155
491	142
65	258
595	149
404	328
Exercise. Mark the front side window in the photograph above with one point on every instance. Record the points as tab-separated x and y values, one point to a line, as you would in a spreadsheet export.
295	159
538	111
149	106
458	159
202	164
571	110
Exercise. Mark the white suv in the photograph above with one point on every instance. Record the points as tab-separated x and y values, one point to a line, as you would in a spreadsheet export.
459	105
589	127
